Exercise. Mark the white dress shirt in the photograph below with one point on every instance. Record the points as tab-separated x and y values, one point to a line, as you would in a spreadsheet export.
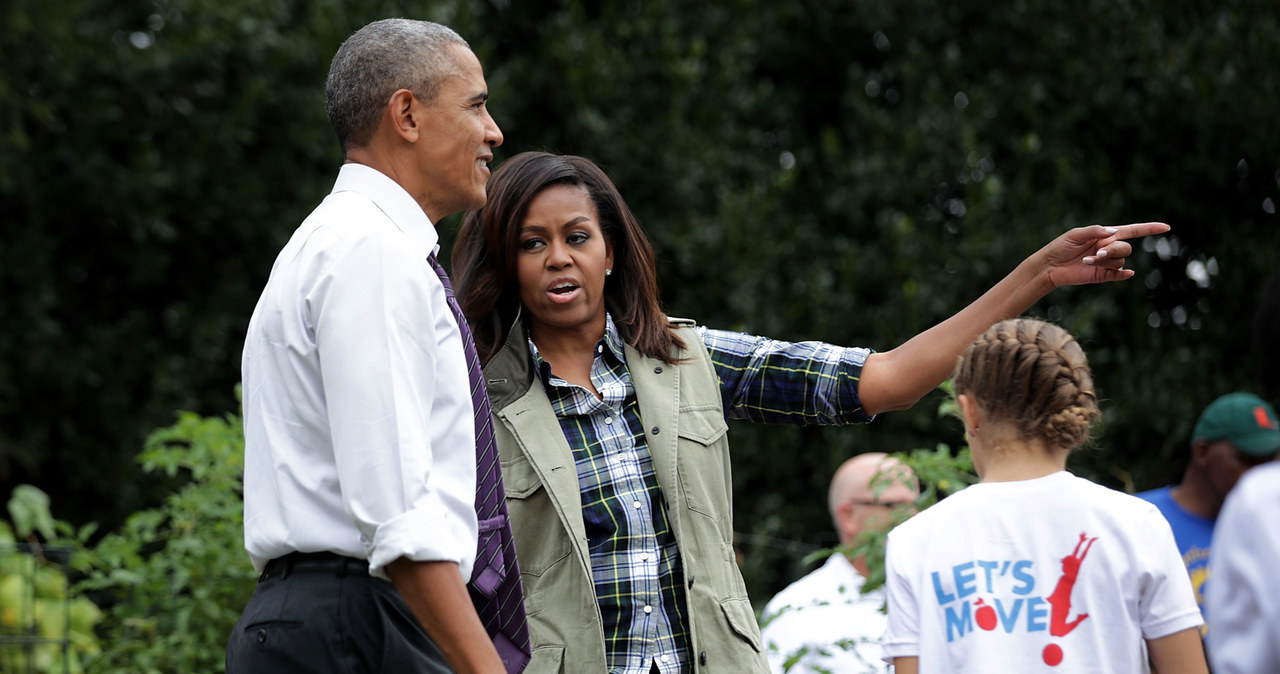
359	436
825	623
1243	606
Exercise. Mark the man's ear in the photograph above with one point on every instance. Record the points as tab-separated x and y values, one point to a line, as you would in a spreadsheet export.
844	521
404	112
1200	452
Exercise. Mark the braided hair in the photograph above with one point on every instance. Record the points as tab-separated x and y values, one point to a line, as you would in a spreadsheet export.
1033	376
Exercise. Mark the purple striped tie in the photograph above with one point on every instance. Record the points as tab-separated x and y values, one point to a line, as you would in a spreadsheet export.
495	580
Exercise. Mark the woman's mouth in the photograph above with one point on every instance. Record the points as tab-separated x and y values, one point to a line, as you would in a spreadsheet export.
563	291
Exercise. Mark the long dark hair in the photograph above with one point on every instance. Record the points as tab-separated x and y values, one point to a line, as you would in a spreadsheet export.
484	255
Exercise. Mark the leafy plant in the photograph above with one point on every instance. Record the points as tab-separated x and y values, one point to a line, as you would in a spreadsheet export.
940	471
177	575
45	627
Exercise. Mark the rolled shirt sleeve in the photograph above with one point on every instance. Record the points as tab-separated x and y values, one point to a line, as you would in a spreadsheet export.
391	353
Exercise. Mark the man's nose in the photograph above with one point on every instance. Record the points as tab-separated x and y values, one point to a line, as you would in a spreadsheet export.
492	134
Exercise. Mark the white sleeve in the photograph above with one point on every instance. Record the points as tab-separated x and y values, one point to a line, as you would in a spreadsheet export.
1241	602
902	636
376	333
1166	600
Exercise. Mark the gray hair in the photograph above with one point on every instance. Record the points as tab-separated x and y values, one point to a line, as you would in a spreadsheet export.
378	60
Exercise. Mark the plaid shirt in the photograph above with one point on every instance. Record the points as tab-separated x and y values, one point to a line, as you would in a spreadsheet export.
635	563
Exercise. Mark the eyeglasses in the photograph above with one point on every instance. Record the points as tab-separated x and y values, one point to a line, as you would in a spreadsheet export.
882	504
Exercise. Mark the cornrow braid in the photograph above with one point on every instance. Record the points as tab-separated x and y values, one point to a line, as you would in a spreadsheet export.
1033	375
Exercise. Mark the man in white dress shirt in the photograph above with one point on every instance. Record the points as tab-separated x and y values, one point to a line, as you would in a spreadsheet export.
823	622
360	452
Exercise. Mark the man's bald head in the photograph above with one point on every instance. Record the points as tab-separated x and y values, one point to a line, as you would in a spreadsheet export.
865	482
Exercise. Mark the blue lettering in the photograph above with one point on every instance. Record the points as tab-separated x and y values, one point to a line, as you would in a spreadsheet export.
1022	572
989	567
1037	610
1008	620
966	580
960	621
944	597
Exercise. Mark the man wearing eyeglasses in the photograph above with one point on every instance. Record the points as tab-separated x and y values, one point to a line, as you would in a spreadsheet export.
824	622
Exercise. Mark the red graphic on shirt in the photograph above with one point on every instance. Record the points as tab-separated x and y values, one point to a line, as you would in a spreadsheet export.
1052	655
1060	600
985	616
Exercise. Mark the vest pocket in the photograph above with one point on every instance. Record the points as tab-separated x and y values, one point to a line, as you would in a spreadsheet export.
519	479
703	425
704	461
541	541
743	620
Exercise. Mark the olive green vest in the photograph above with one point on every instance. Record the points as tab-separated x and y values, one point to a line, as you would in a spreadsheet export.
686	432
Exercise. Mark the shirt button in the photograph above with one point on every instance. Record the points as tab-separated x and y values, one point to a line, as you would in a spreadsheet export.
658	370
648	609
608	420
644	557
666	658
636	504
654	430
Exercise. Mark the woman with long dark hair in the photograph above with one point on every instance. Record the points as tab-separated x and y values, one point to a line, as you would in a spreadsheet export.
610	416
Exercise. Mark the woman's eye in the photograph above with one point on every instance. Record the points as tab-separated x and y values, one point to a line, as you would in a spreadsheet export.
531	244
578	237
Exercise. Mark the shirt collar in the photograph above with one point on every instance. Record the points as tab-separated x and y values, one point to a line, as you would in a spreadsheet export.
613	339
392	200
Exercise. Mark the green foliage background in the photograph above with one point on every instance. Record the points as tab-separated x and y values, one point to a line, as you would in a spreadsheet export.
852	172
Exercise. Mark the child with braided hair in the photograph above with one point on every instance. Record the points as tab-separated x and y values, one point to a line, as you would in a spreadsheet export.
1034	569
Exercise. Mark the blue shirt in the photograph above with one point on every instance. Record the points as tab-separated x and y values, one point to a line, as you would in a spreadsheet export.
1193	533
635	561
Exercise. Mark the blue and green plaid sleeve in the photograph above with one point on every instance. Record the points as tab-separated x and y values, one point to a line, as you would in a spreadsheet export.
769	381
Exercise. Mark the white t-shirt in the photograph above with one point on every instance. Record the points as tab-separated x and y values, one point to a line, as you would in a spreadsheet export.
827	622
1243	604
359	429
1055	574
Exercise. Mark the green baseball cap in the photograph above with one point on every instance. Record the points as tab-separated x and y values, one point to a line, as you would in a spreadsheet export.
1244	420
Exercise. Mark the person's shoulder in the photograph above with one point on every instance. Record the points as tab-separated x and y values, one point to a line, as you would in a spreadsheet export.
354	215
799	591
1108	497
826	588
935	518
1139	516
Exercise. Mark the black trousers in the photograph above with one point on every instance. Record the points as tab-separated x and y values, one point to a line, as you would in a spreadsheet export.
325	614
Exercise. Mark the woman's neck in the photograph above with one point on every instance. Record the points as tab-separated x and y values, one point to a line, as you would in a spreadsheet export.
570	351
567	343
1007	457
